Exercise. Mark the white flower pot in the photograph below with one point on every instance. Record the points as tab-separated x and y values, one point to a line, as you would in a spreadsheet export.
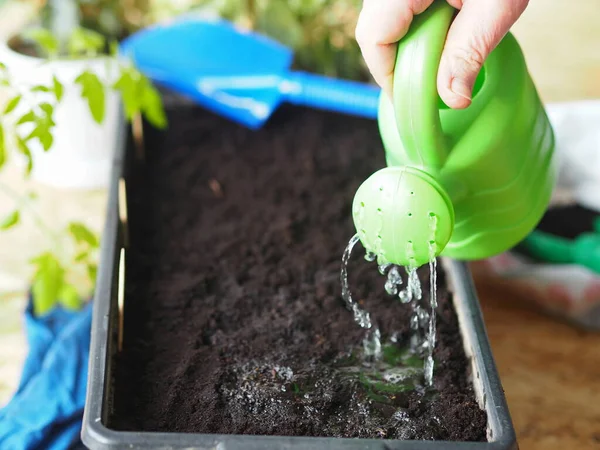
82	150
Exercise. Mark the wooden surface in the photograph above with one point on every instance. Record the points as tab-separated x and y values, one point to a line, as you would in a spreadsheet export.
550	371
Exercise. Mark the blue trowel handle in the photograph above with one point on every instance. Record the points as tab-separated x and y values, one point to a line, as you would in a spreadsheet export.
316	91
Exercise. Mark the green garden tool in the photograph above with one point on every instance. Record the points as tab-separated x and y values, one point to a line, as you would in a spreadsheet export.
584	250
467	184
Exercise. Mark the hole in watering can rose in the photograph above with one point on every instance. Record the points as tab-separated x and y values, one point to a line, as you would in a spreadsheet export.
409	214
431	214
479	82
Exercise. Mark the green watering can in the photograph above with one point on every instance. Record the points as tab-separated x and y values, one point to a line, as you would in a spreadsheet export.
466	184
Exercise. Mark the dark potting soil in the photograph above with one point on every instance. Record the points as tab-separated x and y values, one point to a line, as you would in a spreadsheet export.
234	321
568	221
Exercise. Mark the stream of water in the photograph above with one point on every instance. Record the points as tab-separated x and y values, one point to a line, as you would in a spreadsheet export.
422	322
360	316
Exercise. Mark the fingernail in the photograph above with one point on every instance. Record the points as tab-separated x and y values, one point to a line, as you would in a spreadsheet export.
460	88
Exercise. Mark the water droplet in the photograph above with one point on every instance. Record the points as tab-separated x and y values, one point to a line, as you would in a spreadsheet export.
370	256
383	268
423	317
414	322
372	344
381	259
404	296
390	288
428	370
400	416
394	275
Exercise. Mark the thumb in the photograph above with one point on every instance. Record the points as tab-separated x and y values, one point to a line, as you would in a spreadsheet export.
476	31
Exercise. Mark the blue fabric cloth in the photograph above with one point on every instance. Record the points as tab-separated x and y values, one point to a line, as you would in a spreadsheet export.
47	409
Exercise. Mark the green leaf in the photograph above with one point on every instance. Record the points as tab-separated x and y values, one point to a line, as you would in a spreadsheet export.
152	106
47	282
126	85
10	221
43	126
12	104
42	133
92	271
23	148
69	297
140	96
44	39
82	256
27	118
40	88
2	147
45	138
2	66
58	88
49	110
113	49
278	21
87	42
83	234
92	90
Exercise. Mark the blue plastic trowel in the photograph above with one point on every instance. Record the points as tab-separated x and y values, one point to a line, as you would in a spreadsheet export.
241	75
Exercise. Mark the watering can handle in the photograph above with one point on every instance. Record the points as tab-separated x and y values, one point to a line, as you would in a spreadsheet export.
415	96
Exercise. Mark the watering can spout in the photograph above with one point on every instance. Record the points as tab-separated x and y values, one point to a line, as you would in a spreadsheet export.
469	183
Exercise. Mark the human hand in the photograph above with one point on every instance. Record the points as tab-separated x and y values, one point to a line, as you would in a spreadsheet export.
475	32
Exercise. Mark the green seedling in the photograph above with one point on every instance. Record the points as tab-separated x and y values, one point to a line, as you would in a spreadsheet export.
28	117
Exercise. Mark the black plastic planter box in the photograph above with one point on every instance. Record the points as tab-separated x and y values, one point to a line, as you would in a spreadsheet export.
106	335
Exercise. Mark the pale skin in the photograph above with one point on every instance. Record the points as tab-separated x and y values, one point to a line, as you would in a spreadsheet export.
477	29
